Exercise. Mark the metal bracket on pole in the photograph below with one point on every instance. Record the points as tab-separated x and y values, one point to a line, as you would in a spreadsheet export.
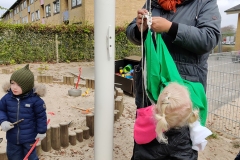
110	42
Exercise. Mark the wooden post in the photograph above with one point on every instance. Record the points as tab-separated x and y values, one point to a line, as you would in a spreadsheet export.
116	92
64	80
72	138
93	84
71	79
90	123
46	142
85	132
43	79
3	155
121	106
64	134
68	81
117	105
39	79
79	135
115	115
55	137
49	79
87	85
119	92
38	149
56	40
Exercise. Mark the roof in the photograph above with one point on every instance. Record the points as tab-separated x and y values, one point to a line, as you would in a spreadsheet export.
233	10
14	4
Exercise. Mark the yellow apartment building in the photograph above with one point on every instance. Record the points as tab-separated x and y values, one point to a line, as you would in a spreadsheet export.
79	11
236	10
66	11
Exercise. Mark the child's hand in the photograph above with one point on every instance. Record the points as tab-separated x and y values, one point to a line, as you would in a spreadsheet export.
6	126
40	136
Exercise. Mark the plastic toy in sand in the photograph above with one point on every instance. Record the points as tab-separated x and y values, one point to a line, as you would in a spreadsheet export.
86	93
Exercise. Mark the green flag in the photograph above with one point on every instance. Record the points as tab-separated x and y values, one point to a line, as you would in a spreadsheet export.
161	70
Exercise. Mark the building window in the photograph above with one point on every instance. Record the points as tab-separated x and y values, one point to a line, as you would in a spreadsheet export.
17	10
37	15
21	7
10	14
31	1
32	16
25	4
56	6
76	3
48	10
25	19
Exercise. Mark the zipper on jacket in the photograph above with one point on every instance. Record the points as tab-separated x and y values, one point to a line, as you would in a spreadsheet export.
17	120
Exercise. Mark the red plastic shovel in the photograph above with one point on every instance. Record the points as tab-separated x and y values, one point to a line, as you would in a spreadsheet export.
33	146
79	76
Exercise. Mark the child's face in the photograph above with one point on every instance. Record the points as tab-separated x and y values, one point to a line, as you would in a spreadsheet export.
16	89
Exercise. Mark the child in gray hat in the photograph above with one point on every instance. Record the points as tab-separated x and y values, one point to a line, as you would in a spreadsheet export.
23	114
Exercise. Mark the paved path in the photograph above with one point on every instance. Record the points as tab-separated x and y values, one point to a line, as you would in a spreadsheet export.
87	72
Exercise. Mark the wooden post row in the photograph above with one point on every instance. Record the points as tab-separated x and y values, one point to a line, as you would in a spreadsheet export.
6	71
68	80
44	79
90	83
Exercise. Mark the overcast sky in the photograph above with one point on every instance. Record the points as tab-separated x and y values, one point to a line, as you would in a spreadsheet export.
223	5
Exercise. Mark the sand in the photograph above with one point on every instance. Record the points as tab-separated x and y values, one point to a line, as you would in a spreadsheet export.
64	108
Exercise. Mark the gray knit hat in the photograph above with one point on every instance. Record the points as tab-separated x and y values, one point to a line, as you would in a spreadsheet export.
24	78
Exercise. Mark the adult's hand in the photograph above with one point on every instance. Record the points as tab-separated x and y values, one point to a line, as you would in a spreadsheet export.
160	24
140	20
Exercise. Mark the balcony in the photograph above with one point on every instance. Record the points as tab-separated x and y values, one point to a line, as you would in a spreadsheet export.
41	2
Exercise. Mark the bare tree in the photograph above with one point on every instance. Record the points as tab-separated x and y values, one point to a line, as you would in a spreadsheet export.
228	29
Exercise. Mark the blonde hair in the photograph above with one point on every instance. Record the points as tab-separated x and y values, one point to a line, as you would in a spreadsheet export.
173	109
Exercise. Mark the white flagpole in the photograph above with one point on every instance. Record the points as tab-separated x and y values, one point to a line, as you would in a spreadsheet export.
104	52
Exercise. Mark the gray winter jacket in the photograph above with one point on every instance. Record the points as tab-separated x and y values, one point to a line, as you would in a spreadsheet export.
198	33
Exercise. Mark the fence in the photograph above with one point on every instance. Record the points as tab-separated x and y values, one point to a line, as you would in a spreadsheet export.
223	93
